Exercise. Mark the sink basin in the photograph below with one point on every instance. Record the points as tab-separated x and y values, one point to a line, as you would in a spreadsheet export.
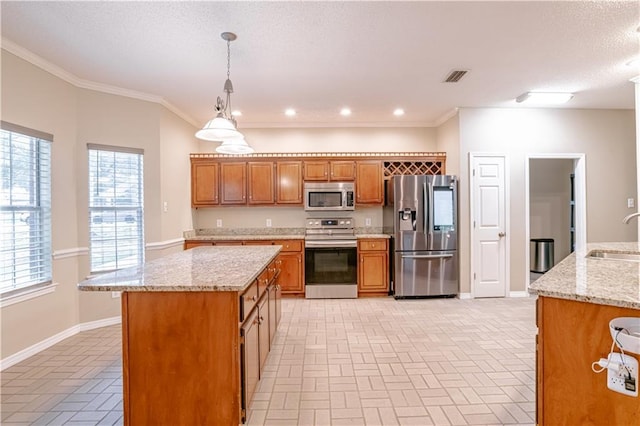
603	254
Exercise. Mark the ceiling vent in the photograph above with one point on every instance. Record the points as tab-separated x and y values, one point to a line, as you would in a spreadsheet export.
455	76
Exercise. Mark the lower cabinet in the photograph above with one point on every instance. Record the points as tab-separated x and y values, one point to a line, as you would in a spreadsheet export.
249	359
263	329
373	266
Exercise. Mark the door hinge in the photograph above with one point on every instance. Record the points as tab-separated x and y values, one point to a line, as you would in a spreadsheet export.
474	276
474	223
474	172
241	339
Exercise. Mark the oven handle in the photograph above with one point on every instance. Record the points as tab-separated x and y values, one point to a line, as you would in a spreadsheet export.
330	244
428	256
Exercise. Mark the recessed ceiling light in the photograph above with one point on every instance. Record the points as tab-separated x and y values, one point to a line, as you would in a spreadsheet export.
290	112
345	112
236	113
398	112
544	98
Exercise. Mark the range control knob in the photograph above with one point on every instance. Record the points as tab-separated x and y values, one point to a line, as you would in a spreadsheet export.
342	222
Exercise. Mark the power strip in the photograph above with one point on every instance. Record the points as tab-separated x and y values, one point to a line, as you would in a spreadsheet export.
618	369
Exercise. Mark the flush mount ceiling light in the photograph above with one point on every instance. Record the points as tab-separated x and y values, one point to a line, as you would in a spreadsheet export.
223	127
544	98
290	112
398	112
345	112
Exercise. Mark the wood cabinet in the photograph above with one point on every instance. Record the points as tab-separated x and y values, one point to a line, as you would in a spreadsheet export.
263	330
250	355
197	243
204	183
289	182
571	335
322	170
373	266
233	183
260	182
369	183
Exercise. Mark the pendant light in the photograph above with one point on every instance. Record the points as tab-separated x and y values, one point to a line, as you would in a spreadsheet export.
223	127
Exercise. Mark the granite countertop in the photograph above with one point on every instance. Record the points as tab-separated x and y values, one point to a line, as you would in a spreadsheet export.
599	281
223	237
240	234
383	236
231	268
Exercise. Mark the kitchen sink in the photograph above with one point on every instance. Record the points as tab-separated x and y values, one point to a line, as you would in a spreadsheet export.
612	255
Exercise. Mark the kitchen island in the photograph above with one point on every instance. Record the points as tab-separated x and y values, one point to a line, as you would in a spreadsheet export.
196	329
576	301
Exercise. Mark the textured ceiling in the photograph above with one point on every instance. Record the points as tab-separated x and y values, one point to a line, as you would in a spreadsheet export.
320	56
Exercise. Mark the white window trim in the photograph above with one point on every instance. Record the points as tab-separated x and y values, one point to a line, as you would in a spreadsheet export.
27	293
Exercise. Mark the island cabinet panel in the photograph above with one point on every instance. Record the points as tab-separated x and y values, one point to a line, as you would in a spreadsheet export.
291	272
289	182
571	336
204	183
233	183
369	183
250	360
373	266
261	184
182	367
263	330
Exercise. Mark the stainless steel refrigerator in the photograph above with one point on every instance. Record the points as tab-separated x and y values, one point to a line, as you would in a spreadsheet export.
422	214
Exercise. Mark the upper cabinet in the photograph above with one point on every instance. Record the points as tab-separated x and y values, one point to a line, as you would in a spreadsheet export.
261	188
233	183
204	183
289	182
277	179
369	183
339	170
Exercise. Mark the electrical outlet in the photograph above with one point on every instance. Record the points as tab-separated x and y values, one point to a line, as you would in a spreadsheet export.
115	294
630	203
219	223
367	221
268	222
165	206
618	378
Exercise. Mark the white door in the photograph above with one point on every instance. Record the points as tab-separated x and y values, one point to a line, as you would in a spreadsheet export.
488	230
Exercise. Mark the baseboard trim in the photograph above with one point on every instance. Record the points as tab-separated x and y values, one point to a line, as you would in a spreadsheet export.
518	294
465	296
56	338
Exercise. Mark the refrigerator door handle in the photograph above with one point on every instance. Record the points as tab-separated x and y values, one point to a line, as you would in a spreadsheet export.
427	256
425	209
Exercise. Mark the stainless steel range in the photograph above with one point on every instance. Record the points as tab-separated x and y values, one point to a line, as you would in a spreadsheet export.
330	259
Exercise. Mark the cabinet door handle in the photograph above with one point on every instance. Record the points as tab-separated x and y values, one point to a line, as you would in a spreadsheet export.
254	298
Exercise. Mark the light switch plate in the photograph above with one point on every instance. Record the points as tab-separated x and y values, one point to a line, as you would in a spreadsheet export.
219	223
630	203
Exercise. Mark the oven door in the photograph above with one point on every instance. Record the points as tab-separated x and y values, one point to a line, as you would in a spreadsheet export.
330	263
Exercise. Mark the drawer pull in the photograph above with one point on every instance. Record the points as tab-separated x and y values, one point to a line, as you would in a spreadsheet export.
254	298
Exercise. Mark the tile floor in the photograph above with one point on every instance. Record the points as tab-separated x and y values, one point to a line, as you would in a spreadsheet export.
370	361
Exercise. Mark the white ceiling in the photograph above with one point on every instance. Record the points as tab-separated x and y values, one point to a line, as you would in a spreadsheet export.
320	56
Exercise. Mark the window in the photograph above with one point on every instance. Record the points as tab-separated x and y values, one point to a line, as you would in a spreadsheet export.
25	207
115	207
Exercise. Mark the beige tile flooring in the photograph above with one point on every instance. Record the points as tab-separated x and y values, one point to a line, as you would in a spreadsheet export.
373	361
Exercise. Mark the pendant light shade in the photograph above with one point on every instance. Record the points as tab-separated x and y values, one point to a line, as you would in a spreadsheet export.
223	127
218	129
234	146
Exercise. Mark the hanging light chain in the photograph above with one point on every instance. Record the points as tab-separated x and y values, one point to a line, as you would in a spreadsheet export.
228	58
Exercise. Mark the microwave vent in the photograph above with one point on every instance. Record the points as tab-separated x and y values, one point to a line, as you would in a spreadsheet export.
455	76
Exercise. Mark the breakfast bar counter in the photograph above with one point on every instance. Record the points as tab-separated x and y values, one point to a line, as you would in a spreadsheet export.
197	327
576	301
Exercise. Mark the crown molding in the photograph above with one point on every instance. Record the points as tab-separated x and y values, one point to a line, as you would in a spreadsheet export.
445	117
307	125
76	81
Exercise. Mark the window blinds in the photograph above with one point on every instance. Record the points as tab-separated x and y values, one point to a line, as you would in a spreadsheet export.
25	207
115	207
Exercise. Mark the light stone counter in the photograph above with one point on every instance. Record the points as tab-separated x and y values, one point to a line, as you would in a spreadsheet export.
382	236
215	268
273	237
599	281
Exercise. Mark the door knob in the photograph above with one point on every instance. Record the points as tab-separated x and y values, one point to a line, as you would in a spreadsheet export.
501	234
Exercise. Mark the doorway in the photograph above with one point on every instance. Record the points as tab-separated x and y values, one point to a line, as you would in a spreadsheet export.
555	209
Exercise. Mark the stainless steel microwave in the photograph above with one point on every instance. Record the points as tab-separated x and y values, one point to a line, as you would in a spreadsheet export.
329	196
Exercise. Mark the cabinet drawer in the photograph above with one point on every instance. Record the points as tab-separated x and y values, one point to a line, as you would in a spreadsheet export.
248	300
290	245
263	282
372	245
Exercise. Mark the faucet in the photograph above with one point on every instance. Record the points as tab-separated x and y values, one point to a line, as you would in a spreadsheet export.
629	217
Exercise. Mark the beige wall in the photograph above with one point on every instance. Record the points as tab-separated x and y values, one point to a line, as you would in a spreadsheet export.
448	138
607	137
549	198
34	98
